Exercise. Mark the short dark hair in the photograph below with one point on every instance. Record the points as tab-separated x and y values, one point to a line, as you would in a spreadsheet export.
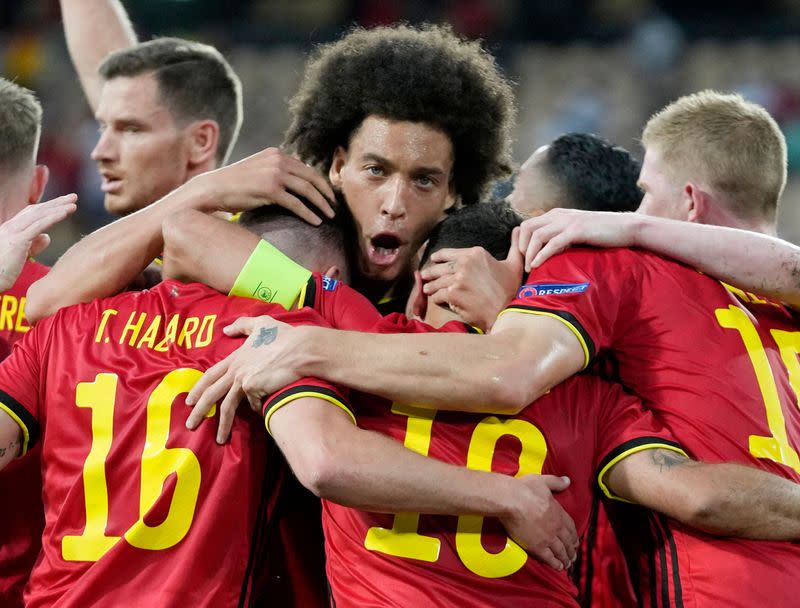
423	74
487	225
194	82
331	238
20	126
594	174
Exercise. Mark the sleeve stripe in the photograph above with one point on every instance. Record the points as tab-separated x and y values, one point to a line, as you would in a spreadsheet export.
627	449
587	344
473	329
27	423
308	294
298	392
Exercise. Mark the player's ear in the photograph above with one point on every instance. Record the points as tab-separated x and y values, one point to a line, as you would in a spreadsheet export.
333	273
417	305
38	182
203	136
696	203
337	164
452	197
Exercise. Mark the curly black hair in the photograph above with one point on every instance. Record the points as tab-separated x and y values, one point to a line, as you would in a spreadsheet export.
594	174
420	74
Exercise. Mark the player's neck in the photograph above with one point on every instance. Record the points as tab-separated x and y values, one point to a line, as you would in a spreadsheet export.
377	291
436	316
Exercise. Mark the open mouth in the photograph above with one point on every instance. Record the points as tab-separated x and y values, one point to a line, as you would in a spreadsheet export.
110	184
384	249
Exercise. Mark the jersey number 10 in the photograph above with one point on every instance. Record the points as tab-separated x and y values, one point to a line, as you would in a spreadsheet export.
403	538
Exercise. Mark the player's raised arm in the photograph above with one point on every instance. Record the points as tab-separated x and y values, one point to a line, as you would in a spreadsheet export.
753	261
715	498
94	29
362	469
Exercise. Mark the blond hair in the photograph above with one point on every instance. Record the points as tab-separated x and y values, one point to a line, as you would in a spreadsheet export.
20	126
731	145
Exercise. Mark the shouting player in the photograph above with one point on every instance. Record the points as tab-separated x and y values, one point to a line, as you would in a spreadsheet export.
112	374
399	155
461	561
716	364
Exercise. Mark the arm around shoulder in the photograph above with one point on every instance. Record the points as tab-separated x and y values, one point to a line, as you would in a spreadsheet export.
716	498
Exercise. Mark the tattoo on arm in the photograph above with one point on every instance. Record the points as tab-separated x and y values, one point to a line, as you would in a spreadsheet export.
667	459
266	335
12	449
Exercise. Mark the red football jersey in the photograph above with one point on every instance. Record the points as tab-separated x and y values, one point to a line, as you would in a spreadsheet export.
23	518
719	367
138	508
339	304
410	559
298	512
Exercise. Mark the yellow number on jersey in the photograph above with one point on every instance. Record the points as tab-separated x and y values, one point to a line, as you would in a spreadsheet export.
775	447
158	463
403	538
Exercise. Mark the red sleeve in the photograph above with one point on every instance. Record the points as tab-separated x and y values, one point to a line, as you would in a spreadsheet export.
340	305
305	387
591	291
20	386
625	427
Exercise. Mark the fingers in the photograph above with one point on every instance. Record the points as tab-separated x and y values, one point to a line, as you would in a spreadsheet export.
561	554
227	411
513	250
289	201
213	373
569	536
213	394
66	199
555	483
437	270
39	244
538	239
243	326
45	222
447	255
256	403
439	284
556	245
303	187
37	218
514	259
548	557
318	181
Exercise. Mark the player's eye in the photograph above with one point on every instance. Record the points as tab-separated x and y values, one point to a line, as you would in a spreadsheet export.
375	170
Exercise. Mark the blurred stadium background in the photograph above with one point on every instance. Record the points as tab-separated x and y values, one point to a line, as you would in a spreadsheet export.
600	66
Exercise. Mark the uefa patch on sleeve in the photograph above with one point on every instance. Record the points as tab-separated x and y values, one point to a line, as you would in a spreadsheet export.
551	289
329	284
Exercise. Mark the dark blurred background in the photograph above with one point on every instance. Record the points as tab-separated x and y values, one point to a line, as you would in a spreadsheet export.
600	66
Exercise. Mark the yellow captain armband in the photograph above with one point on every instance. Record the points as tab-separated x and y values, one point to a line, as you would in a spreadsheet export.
270	276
